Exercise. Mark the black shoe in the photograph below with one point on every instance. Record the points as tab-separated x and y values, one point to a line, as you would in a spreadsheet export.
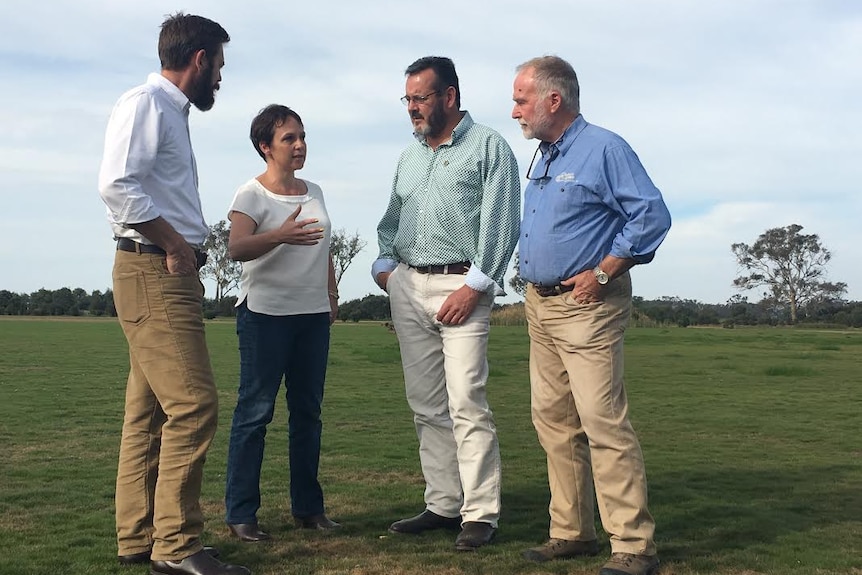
425	521
248	532
320	522
144	557
201	563
475	534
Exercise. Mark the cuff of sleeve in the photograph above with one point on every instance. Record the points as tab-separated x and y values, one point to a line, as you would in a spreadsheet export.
624	250
480	282
382	265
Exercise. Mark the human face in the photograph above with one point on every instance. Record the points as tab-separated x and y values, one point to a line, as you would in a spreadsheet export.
287	149
428	117
531	110
207	82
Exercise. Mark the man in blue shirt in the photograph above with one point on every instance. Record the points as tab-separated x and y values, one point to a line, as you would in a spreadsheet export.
590	214
445	242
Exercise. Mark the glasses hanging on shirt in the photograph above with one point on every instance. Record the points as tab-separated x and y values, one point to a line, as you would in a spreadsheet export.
553	152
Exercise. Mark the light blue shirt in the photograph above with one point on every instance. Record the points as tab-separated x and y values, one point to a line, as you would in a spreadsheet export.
596	200
458	203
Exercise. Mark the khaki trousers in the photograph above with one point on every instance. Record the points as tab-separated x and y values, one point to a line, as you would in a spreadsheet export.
171	408
445	371
580	413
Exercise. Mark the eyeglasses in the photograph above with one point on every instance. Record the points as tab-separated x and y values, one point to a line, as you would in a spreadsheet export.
418	99
553	152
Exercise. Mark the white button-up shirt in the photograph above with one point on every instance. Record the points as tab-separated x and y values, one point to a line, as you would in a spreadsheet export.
148	168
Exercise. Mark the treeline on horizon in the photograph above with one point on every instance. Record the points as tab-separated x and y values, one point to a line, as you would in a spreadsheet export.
665	311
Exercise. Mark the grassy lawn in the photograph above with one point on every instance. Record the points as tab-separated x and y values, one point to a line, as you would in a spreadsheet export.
752	438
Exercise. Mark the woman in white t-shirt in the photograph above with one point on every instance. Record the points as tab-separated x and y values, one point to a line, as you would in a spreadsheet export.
280	231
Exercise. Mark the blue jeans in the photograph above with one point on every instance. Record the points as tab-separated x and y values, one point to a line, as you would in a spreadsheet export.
296	348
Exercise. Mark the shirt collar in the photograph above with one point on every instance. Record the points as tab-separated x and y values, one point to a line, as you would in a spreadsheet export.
174	93
565	141
458	133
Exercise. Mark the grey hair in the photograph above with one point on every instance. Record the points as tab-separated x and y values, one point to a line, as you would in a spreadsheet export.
552	73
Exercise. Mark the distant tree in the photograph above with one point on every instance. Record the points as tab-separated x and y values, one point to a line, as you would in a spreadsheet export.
98	303
516	282
225	271
791	265
370	307
63	302
110	308
41	302
344	248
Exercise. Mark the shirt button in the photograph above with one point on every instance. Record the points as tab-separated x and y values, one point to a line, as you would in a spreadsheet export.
534	211
526	235
526	261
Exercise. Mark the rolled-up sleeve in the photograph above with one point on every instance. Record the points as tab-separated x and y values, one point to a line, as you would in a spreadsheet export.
131	147
647	219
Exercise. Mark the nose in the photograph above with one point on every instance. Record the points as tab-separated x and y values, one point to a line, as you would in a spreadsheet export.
515	112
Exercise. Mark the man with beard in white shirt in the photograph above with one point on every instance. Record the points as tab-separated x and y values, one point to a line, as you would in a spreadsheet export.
149	182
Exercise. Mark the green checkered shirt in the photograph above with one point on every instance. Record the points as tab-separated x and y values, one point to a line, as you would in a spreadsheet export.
460	202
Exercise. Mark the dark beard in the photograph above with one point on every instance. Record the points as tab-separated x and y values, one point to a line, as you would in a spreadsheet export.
436	120
203	96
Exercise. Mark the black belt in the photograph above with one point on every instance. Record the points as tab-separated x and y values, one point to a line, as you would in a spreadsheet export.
548	291
458	268
127	245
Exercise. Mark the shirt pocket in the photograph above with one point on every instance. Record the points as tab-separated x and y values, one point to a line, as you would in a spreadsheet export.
568	203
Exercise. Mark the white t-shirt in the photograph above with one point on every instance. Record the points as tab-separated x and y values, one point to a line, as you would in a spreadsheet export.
289	279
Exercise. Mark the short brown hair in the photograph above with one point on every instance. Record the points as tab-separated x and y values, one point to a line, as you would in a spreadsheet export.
267	120
183	35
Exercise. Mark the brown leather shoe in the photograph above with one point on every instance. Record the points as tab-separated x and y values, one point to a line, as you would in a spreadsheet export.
425	521
201	563
475	534
144	557
248	532
630	564
320	522
561	549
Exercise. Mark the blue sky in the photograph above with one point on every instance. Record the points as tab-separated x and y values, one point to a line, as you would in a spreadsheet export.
746	113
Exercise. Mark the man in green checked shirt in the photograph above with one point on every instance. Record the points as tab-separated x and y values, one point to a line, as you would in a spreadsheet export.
445	243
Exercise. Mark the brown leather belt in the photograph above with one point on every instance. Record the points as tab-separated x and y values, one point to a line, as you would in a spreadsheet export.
548	291
458	268
127	245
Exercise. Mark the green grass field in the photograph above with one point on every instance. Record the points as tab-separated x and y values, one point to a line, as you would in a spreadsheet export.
752	439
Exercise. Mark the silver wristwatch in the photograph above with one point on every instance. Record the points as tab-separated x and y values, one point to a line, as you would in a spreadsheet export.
601	277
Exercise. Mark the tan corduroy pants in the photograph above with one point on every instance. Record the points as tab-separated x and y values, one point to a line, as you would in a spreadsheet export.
171	408
580	413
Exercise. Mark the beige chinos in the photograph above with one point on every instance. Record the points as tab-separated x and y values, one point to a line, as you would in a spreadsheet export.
580	413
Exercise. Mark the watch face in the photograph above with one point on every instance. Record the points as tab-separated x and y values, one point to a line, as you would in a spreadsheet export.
601	276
